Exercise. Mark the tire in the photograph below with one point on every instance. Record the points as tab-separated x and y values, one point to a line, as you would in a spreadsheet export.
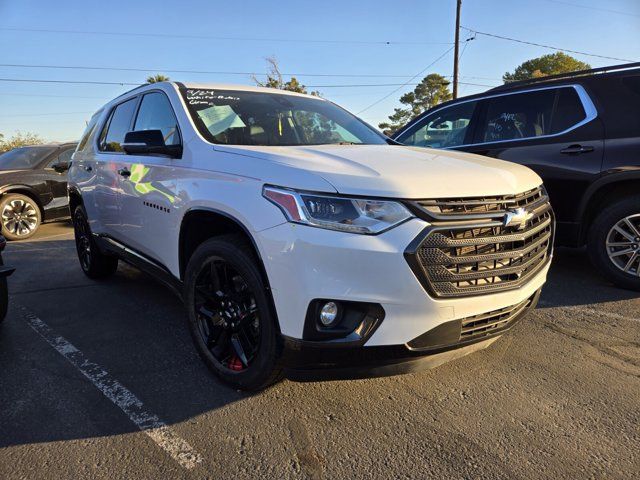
93	262
208	326
20	215
614	244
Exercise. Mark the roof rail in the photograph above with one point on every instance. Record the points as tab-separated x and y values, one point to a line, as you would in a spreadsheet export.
559	76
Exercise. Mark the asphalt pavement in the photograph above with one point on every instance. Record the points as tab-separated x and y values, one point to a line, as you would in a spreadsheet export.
100	380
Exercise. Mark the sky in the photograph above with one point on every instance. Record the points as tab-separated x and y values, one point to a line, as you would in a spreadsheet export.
356	53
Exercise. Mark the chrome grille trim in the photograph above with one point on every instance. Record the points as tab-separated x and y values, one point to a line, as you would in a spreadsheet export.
481	208
460	254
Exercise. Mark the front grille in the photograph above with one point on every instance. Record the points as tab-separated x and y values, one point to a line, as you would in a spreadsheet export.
471	249
491	322
464	207
473	328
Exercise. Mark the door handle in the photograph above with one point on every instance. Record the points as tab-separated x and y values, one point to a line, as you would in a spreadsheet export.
124	172
576	149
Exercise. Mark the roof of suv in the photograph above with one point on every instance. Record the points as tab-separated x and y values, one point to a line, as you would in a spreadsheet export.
244	88
217	86
550	81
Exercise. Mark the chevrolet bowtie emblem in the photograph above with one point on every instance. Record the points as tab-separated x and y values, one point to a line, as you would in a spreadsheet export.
517	218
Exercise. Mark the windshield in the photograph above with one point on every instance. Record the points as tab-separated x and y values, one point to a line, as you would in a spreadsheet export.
272	119
24	157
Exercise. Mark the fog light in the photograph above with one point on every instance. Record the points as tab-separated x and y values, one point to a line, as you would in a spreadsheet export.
328	313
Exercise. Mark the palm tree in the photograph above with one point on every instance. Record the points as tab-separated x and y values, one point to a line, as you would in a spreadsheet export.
157	78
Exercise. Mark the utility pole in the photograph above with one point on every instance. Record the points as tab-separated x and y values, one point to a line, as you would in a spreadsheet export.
456	50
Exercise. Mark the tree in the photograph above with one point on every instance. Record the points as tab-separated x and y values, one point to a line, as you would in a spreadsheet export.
275	79
431	91
19	140
551	64
158	77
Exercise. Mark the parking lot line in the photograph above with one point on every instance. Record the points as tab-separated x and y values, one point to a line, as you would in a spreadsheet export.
591	311
132	406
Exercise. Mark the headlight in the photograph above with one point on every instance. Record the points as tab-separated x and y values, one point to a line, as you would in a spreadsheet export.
355	215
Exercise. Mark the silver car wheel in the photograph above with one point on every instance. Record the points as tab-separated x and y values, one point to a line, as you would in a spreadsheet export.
623	245
20	217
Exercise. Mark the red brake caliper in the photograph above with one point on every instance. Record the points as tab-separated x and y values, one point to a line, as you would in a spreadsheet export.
235	364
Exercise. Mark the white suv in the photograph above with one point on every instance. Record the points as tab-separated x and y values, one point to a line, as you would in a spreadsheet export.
302	241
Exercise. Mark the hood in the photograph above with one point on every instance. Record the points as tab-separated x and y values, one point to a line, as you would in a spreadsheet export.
399	171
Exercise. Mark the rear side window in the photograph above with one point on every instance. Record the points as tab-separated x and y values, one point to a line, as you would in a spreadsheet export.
156	113
568	112
512	117
118	125
88	132
63	157
442	129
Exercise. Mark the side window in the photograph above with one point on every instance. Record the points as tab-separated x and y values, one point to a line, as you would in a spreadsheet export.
445	128
521	115
88	132
117	126
64	157
155	113
568	112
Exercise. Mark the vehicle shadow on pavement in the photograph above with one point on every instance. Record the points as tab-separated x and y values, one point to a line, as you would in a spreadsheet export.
135	329
130	325
573	281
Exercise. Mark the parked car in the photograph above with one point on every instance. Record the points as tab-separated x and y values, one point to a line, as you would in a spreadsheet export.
283	222
33	188
4	273
581	133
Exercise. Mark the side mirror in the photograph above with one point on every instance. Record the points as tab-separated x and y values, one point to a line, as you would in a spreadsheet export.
149	142
61	167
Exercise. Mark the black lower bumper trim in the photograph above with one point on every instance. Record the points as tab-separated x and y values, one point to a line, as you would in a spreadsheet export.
309	361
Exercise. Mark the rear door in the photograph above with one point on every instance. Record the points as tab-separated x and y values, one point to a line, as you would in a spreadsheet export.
148	193
554	131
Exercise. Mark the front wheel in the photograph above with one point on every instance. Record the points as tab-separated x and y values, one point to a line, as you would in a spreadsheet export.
21	216
614	243
94	263
229	314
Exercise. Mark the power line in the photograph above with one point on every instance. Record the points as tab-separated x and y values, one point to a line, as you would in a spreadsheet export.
52	96
208	72
349	85
211	37
502	37
47	114
27	80
588	7
407	82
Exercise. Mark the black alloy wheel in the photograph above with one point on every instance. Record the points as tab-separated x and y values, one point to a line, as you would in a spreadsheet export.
83	241
94	263
227	315
230	315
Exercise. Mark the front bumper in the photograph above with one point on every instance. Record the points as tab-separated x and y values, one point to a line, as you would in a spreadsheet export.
305	263
308	361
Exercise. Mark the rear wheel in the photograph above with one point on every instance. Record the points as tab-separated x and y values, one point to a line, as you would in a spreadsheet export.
94	263
614	243
229	314
20	216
